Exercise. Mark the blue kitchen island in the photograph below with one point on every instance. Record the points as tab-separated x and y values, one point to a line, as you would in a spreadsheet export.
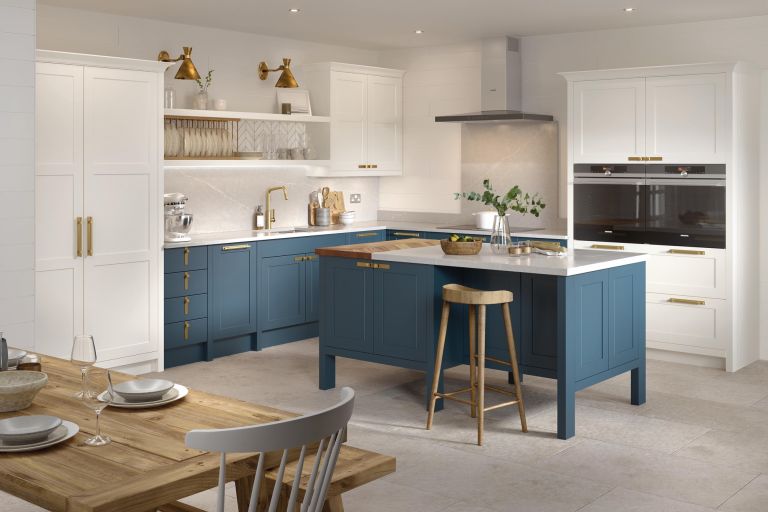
579	319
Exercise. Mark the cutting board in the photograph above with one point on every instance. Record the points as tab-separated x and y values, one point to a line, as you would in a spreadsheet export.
365	251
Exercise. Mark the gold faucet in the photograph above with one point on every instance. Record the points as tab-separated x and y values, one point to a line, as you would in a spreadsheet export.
270	211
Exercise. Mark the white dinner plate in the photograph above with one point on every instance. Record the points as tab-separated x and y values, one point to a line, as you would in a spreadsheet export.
177	393
65	431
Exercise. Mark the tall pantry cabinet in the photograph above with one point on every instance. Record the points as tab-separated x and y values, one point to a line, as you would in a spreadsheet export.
98	206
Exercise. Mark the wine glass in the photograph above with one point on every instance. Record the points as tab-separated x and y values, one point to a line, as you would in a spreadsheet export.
83	356
97	394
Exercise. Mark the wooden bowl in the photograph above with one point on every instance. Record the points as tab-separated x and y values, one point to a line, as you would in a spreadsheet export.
461	248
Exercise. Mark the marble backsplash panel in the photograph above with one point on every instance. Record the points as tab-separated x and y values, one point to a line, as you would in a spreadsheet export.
226	199
515	153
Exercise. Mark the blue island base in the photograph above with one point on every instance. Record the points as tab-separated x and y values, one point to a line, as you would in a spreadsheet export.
580	329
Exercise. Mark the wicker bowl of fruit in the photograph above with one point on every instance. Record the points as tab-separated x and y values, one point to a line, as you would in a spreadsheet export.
457	245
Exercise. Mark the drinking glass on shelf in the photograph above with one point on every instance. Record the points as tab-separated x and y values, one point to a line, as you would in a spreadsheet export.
97	395
83	356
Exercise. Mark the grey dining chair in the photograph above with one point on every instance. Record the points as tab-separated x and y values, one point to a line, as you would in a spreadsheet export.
325	427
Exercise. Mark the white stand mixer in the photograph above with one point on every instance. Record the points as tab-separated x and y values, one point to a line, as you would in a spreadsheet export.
177	223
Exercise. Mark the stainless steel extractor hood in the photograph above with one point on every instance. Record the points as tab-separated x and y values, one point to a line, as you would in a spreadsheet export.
501	98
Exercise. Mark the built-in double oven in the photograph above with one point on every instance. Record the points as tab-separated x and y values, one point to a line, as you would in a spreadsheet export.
650	204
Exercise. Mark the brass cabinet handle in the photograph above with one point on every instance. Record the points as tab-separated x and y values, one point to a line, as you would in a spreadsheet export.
405	233
687	251
374	166
635	158
238	247
364	264
365	235
690	302
186	305
311	257
186	280
381	266
89	229
186	330
299	258
186	256
362	166
655	158
608	247
79	224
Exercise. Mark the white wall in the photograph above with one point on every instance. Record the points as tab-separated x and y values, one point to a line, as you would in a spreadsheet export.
438	80
17	171
731	40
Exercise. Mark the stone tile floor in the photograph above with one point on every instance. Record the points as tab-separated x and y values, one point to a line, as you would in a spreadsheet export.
700	442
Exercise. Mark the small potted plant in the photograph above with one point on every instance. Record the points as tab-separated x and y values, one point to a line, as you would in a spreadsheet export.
515	200
203	83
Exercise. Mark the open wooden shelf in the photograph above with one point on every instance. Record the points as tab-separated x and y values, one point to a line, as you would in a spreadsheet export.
187	113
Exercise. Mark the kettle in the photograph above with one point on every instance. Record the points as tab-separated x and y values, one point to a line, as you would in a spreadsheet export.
3	353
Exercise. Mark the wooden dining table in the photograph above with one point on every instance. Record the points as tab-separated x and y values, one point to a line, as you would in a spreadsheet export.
147	466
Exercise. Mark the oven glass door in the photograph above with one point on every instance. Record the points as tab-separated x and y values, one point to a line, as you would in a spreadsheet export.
609	210
686	212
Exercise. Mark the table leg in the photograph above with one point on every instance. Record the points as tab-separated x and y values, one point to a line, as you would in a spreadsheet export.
638	385
327	371
333	504
243	487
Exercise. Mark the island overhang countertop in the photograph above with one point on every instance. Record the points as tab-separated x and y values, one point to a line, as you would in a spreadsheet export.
428	252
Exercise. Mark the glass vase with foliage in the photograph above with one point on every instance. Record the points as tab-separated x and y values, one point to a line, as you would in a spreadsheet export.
513	200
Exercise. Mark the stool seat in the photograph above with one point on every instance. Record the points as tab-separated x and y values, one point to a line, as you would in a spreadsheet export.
458	294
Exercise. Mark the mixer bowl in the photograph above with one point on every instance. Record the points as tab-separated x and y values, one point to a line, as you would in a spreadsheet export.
180	223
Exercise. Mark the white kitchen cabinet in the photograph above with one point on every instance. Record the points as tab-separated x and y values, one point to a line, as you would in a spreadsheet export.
687	271
686	118
654	118
98	214
365	105
608	120
697	325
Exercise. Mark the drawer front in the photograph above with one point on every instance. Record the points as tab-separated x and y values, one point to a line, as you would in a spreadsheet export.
687	271
402	234
364	237
680	322
189	307
186	258
188	332
180	284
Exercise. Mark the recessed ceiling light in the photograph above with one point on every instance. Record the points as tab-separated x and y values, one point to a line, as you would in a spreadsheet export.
294	11
419	31
629	9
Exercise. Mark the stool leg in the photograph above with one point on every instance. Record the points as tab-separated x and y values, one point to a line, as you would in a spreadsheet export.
515	370
438	361
480	372
472	361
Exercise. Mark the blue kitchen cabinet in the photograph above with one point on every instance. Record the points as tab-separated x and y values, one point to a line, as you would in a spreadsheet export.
232	290
283	285
288	291
347	284
364	237
186	306
402	234
436	235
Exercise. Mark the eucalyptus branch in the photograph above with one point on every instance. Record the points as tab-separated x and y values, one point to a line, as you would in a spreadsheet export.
205	82
514	200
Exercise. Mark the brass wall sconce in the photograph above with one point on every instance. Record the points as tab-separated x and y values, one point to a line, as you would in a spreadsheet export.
187	70
286	79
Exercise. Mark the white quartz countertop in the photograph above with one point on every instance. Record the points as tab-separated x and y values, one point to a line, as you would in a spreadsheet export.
230	237
575	262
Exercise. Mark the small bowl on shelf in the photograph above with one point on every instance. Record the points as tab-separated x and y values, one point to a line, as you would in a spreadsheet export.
461	248
18	388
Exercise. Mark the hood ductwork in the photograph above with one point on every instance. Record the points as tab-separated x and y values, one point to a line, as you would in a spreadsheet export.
501	96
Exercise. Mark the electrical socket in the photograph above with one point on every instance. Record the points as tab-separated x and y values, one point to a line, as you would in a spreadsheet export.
355	198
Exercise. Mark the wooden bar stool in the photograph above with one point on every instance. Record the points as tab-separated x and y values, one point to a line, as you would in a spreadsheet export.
477	301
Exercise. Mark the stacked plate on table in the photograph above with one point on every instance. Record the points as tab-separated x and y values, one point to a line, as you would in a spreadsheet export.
34	432
145	393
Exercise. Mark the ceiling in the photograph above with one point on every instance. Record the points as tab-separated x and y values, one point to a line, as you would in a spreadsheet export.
377	24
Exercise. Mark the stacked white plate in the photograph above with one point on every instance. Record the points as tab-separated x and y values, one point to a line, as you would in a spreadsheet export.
28	433
145	393
347	217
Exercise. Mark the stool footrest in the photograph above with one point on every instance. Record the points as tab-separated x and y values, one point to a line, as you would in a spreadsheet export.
499	406
497	361
451	396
